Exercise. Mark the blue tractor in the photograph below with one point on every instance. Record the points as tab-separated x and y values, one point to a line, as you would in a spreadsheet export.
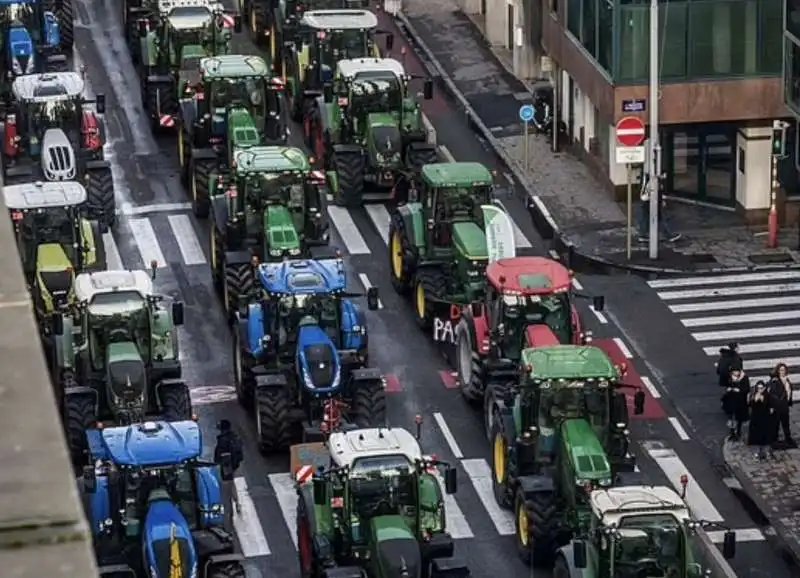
302	345
156	510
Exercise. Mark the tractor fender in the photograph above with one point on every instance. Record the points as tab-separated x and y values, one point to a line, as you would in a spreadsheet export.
114	570
343	572
348	149
159	79
188	112
97	165
166	384
365	374
439	546
217	559
566	552
81	390
354	326
271	381
494	406
253	329
450	566
411	215
65	347
320	543
531	485
219	210
204	154
237	257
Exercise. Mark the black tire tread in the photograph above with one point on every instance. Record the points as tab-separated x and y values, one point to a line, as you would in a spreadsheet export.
369	404
176	403
416	158
401	286
544	527
350	171
226	570
434	281
64	15
155	93
202	173
100	202
473	390
79	415
272	410
240	281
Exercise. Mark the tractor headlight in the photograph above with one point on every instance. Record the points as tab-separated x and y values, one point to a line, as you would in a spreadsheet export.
294	252
275	252
309	383
380	158
216	509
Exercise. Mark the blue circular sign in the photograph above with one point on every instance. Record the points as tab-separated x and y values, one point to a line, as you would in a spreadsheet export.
526	112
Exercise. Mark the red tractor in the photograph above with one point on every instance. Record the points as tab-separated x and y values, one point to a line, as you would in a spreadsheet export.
529	303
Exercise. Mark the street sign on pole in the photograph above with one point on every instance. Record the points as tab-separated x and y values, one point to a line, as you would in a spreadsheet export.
630	155
526	113
630	132
630	136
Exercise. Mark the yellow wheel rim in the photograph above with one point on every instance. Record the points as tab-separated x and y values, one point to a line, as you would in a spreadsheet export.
421	302
499	459
397	256
253	26
522	525
180	148
273	45
213	249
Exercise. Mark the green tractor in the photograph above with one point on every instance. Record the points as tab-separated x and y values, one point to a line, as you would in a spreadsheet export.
367	128
375	509
171	44
236	105
639	531
269	208
116	357
324	38
55	242
437	240
558	433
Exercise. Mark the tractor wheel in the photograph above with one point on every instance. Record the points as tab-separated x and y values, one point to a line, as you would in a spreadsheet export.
537	528
216	250
468	365
226	570
255	20
349	168
239	282
159	100
242	376
66	24
416	158
100	202
428	284
79	415
561	568
500	464
402	257
273	420
200	175
369	404
176	403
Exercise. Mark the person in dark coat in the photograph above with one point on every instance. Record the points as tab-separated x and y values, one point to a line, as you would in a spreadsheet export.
780	389
228	454
759	431
729	359
738	393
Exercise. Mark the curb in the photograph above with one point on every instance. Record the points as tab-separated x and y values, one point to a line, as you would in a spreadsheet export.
776	538
541	217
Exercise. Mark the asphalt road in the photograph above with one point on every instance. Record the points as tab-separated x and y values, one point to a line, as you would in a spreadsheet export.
156	224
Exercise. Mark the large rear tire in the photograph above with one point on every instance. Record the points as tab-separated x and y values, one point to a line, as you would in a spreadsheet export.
226	570
100	202
402	259
349	168
79	415
273	423
537	527
176	403
66	24
418	157
200	176
369	404
430	285
242	376
239	282
468	368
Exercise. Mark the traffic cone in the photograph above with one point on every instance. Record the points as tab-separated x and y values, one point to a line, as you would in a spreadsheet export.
772	227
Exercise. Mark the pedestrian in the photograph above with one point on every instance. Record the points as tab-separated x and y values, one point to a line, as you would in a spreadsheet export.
228	454
780	389
739	391
759	430
729	359
643	216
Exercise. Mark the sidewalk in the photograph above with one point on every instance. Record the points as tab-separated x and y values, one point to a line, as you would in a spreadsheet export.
573	208
773	486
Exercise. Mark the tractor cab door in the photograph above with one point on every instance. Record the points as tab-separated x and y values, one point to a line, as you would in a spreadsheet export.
274	112
440	227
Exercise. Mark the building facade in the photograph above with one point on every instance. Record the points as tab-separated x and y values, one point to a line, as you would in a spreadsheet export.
720	64
790	167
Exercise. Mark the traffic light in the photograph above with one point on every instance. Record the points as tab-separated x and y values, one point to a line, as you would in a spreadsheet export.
779	139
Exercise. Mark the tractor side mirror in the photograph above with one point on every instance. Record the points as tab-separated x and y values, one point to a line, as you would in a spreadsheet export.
177	313
579	554
237	23
372	299
638	402
427	89
598	302
89	479
327	93
729	545
450	481
57	324
389	42
320	492
100	103
142	25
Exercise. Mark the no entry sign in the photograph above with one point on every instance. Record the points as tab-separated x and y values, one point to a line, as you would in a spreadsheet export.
630	132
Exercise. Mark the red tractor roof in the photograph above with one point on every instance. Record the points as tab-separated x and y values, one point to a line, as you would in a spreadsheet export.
529	275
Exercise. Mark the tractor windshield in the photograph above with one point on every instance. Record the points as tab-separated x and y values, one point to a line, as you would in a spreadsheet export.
302	309
382	486
247	92
59	112
173	483
42	226
276	188
649	545
376	92
563	400
115	318
552	310
342	44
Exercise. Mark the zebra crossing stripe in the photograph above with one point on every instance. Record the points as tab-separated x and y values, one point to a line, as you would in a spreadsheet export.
724	279
247	525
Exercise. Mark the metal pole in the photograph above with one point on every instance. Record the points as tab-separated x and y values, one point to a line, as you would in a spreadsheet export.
554	80
655	147
628	247
527	148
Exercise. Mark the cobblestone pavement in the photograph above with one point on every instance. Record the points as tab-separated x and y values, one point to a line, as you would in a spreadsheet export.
582	207
772	484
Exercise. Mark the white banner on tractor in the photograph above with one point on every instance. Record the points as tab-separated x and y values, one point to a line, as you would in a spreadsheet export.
499	233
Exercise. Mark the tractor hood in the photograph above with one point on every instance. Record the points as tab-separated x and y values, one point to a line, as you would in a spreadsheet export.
58	156
169	547
20	50
470	240
317	359
385	137
240	126
55	272
586	453
280	233
397	549
147	444
126	376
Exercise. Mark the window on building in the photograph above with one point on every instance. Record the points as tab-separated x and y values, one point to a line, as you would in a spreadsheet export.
634	41
589	26
574	17
724	38
771	47
672	20
793	17
791	91
605	34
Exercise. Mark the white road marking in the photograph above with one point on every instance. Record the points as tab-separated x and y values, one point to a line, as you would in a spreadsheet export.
480	474
247	525
544	211
520	240
723	279
113	258
600	317
185	235
729	291
455	520
365	282
650	387
129	209
747	333
554	255
744	318
769	363
737	304
147	242
285	494
380	218
679	428
623	348
673	467
212	394
448	435
348	231
766	347
742	535
577	284
448	156
429	127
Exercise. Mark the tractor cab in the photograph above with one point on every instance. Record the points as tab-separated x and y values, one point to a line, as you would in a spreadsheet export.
273	203
49	132
30	37
53	239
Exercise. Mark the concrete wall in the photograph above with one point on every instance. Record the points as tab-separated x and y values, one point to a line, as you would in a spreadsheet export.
753	183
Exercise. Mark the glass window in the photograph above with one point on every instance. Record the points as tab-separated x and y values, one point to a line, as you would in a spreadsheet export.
724	38
634	40
792	75
588	26
770	21
793	17
672	19
605	33
574	17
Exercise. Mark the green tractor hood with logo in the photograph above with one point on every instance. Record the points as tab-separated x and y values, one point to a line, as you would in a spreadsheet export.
396	550
383	130
280	238
469	241
589	460
242	130
54	272
126	377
